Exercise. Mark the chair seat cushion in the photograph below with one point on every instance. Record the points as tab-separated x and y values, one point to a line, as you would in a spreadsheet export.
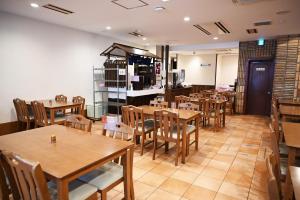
189	130
148	125
77	190
103	176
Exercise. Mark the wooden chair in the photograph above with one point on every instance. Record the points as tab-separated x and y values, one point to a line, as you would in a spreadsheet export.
111	174
8	186
196	95
60	98
78	122
22	112
167	130
141	126
32	184
126	115
273	187
188	106
159	104
81	100
215	110
40	115
230	101
181	99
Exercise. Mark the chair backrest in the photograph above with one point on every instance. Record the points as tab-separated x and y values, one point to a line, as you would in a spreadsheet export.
78	122
21	110
81	100
119	131
215	106
127	115
188	106
181	99
196	95
29	177
137	117
273	188
61	98
7	182
39	113
159	104
168	124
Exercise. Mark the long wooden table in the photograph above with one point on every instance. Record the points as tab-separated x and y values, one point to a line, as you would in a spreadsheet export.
291	133
295	176
185	116
289	111
290	102
54	106
74	154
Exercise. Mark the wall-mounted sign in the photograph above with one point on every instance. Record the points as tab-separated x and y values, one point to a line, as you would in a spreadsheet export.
261	42
205	65
122	72
261	69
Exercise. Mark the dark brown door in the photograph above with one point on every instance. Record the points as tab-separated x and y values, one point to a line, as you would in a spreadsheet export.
259	91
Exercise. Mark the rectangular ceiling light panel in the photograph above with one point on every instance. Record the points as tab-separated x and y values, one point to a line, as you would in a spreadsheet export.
130	4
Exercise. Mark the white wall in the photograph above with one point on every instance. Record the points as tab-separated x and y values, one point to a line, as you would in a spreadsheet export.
39	60
227	69
196	74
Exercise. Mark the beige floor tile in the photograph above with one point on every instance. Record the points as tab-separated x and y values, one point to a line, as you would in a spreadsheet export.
163	195
224	158
196	193
164	169
185	175
175	186
193	167
234	190
238	178
145	164
219	165
142	191
221	196
112	193
214	173
257	195
208	183
137	173
152	179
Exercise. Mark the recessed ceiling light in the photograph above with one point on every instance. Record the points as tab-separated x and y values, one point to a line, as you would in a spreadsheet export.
144	38
159	8
187	19
108	28
34	5
165	0
215	38
147	44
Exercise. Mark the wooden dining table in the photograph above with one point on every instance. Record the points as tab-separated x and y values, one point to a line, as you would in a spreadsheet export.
291	133
185	116
289	111
295	177
54	106
290	102
74	154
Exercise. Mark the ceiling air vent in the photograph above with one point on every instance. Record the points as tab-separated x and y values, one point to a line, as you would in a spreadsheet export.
57	9
246	2
252	31
202	29
136	34
130	4
263	23
222	27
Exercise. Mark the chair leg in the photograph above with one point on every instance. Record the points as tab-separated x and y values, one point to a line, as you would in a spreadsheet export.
27	125
142	144
103	195
177	153
188	144
166	147
154	147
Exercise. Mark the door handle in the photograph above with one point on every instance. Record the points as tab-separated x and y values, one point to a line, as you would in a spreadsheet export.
268	93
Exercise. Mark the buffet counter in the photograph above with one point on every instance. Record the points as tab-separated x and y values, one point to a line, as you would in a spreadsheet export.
142	97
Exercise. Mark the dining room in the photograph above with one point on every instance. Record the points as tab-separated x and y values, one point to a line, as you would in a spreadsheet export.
156	100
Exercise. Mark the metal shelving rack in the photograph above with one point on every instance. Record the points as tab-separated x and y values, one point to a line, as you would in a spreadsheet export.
101	91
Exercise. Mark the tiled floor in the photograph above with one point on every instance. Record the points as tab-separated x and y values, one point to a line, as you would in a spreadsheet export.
228	165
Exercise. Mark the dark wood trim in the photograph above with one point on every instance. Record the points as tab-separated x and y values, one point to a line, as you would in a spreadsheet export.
246	75
216	68
10	127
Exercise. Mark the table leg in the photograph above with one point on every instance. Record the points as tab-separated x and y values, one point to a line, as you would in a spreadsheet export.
197	132
62	190
127	175
183	142
288	183
52	112
131	173
224	115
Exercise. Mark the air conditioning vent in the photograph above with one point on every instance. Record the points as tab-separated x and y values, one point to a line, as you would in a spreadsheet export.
222	27
246	2
202	29
252	31
263	23
58	9
136	34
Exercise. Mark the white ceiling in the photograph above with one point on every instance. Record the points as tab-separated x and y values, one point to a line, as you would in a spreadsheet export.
166	27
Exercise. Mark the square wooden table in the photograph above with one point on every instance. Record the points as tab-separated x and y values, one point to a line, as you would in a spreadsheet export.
185	116
291	133
74	154
295	176
54	106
